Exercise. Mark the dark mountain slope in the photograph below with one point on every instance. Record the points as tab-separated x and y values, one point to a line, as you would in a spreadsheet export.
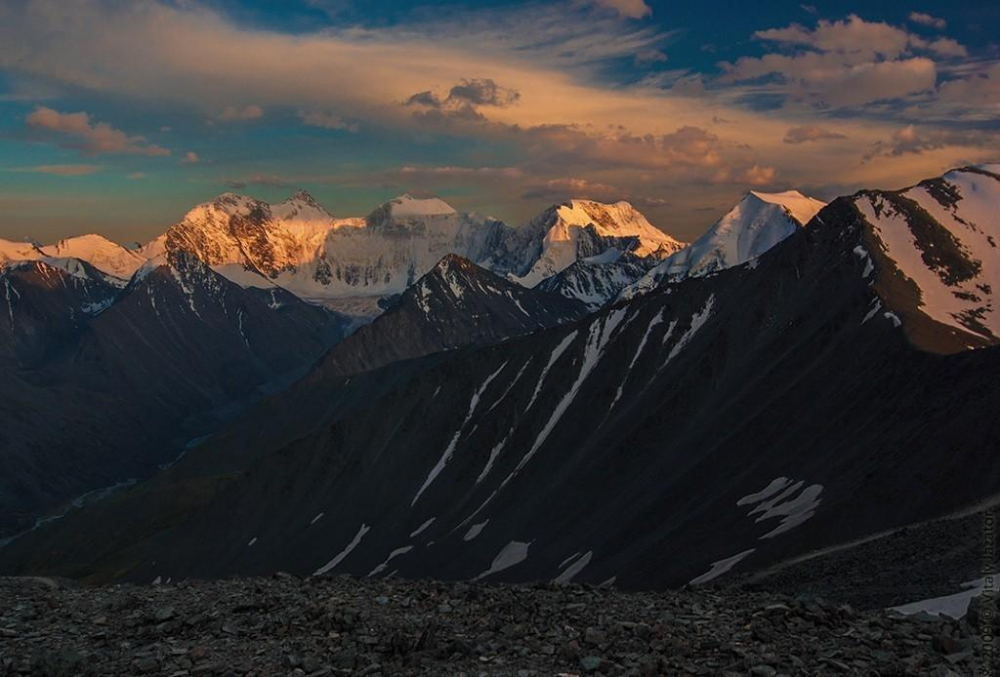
734	419
43	307
456	304
180	350
598	281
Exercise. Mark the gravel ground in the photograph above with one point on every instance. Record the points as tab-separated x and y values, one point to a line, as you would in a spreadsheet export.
915	563
342	626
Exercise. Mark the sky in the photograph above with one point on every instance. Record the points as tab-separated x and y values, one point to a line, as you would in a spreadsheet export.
118	116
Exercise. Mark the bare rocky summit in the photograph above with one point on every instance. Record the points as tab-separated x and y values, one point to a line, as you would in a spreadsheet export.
344	626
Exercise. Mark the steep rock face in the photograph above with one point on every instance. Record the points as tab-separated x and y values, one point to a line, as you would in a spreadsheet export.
456	304
758	222
719	423
100	252
238	230
580	229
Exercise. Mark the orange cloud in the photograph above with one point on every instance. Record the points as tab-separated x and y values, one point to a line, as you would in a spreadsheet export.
92	138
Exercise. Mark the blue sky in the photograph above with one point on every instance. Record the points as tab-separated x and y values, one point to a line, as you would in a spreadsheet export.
116	117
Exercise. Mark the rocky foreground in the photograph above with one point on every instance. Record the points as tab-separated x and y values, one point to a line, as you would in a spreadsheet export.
341	626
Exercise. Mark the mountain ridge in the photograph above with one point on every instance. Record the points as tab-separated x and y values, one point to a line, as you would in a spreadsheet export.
657	442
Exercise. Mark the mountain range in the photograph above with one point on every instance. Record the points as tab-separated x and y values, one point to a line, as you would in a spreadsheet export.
582	399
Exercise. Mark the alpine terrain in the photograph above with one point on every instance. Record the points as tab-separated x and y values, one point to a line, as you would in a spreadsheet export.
779	395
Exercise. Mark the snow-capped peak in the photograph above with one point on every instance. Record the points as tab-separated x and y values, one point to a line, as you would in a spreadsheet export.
584	228
18	251
302	215
303	196
406	206
801	207
942	235
757	222
107	256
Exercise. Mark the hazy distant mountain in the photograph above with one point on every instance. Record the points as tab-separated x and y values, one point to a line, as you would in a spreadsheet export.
98	251
758	222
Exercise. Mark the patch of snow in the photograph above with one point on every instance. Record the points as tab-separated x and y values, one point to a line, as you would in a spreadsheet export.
422	527
871	313
342	555
513	553
779	499
392	555
896	322
794	511
494	454
721	567
567	575
244	277
556	354
767	492
450	449
697	322
597	340
317	518
506	392
862	253
568	560
475	530
635	358
954	606
252	541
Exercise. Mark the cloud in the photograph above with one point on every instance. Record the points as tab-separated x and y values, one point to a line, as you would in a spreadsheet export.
563	189
63	170
463	101
845	63
945	47
327	121
450	172
632	9
91	138
234	114
978	91
808	133
650	56
425	98
911	140
465	98
858	40
928	20
135	176
613	133
191	158
482	92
